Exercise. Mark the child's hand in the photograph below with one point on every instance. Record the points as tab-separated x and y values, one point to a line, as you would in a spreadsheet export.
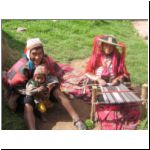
42	89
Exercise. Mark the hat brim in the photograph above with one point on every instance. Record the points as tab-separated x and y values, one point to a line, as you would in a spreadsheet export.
103	41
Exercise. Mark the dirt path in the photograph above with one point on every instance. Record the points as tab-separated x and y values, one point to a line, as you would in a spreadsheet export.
142	28
59	118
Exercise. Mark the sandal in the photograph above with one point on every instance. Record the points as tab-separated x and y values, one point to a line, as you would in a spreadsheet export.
80	125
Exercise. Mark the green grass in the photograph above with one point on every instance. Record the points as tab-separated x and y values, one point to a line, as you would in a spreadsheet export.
66	40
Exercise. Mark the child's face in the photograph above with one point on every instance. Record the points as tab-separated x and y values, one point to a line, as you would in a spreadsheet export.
107	48
39	78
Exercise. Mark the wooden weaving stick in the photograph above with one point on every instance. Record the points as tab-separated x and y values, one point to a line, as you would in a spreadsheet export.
93	100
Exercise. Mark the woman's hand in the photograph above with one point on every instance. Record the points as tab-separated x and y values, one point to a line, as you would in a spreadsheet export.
50	86
102	82
115	82
92	76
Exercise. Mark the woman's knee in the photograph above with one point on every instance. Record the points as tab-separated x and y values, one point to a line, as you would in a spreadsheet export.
28	107
56	92
59	95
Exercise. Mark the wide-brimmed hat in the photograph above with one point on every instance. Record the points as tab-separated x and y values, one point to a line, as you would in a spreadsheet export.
109	39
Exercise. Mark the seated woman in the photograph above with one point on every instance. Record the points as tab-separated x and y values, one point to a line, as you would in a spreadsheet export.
20	73
106	65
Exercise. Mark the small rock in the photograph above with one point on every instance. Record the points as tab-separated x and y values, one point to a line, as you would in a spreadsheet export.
54	20
21	29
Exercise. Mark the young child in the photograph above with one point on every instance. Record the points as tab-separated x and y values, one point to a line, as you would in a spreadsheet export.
41	80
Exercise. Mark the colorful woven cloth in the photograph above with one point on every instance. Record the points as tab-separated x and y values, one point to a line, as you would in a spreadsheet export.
118	117
75	84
